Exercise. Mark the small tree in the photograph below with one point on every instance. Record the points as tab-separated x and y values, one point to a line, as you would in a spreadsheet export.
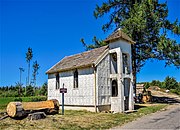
147	85
170	83
29	91
35	71
43	90
19	88
29	55
156	83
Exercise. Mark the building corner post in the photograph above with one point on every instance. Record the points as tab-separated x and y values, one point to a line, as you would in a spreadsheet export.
95	94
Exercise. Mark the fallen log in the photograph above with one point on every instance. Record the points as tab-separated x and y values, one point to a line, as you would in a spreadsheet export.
20	109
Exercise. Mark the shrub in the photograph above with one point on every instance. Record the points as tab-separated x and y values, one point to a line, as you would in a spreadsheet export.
175	91
36	99
18	99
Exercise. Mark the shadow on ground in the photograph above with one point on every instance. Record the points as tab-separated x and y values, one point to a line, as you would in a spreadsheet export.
138	106
166	100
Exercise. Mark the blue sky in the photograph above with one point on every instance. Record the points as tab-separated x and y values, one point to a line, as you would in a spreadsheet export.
53	29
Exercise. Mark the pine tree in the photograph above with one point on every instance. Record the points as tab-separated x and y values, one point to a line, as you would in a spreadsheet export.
145	21
35	71
29	55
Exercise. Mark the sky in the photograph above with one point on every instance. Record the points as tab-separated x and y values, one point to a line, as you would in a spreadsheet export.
53	29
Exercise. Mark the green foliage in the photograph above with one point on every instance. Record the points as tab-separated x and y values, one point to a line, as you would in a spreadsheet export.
170	83
5	100
176	91
29	55
9	93
156	83
43	90
145	21
97	43
19	91
18	99
29	91
36	99
35	71
147	85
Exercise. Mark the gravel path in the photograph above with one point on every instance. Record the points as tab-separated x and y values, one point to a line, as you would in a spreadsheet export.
169	119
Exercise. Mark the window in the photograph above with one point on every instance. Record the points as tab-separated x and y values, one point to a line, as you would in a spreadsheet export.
125	64
114	88
113	63
57	81
76	79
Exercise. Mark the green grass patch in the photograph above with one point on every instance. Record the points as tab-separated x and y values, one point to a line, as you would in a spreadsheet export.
90	120
76	120
5	100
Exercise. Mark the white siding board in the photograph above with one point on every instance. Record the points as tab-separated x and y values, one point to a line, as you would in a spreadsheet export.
83	95
103	81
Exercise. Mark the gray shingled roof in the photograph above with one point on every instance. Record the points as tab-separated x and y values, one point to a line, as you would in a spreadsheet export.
118	34
84	59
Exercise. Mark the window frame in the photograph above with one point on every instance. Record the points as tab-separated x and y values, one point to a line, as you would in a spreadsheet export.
57	81
126	63
75	79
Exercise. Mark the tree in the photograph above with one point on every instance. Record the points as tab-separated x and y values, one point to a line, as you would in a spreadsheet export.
147	85
145	21
29	91
170	83
20	84
35	71
156	83
19	88
29	55
43	90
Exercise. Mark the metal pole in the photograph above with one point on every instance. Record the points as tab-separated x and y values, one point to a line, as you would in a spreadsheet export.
63	102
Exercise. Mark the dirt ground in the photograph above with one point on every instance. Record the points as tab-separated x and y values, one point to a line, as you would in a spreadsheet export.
58	121
164	94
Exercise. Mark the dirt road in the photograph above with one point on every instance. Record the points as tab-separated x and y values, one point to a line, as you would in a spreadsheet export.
169	119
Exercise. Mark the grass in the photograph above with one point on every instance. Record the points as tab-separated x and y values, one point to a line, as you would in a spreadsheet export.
5	100
79	120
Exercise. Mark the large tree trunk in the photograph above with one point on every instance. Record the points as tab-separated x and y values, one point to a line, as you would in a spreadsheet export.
20	109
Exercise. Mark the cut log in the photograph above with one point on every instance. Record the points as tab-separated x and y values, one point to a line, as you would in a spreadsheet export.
20	109
15	109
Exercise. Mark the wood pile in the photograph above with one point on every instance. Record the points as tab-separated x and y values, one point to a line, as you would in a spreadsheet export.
21	109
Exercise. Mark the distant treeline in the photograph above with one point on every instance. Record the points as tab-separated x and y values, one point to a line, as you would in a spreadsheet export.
169	83
20	91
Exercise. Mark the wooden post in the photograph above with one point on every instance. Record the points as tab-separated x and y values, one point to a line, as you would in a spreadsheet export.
63	102
63	90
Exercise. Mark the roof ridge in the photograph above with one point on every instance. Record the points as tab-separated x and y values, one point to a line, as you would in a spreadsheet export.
84	52
118	34
83	59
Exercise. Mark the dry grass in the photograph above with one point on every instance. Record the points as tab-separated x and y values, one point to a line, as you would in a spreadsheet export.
78	120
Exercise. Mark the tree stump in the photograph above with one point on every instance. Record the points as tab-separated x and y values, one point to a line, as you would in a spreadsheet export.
20	109
36	116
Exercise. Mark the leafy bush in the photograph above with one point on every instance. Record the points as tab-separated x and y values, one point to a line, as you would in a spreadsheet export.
170	83
43	90
36	99
18	99
175	91
29	91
